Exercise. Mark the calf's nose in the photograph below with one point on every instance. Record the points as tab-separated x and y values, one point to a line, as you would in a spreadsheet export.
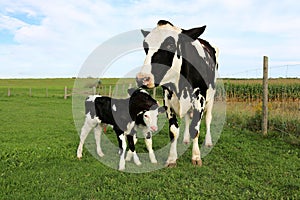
153	128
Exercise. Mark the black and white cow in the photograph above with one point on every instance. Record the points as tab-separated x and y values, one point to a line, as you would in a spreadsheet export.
185	66
139	111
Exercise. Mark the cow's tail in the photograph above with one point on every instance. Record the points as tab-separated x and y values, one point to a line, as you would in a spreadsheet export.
217	56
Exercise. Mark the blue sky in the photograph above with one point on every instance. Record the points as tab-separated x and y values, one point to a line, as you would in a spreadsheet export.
54	38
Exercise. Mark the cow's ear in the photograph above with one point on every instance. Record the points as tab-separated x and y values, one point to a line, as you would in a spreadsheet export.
145	33
194	33
131	91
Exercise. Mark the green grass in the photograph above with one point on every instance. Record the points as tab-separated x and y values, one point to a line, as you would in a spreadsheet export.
51	83
38	161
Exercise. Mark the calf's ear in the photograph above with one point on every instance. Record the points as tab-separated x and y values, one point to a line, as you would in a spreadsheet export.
194	33
131	91
162	109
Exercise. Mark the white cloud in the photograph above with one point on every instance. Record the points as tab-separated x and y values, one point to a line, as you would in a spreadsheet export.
10	23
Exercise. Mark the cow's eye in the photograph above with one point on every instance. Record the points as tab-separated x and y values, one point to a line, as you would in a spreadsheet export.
169	44
146	116
171	47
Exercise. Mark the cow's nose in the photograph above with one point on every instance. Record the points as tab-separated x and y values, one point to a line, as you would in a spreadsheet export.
153	128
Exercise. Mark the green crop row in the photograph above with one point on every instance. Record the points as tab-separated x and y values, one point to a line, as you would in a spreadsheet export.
253	92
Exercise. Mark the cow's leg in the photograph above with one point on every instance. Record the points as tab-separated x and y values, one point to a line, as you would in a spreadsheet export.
208	107
198	109
97	132
86	128
174	134
148	142
186	137
173	129
131	152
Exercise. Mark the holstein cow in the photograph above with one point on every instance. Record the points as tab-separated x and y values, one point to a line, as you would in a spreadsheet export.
185	66
139	111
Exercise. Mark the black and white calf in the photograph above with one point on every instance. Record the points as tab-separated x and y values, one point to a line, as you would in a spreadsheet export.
185	66
139	111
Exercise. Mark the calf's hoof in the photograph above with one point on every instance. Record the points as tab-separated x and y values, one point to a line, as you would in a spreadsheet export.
100	154
209	145
197	162
171	165
138	163
154	161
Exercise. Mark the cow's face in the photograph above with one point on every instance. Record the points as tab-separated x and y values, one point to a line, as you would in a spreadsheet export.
163	52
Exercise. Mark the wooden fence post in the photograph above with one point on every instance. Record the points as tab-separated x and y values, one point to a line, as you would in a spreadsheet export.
8	92
116	90
66	92
109	94
123	89
265	97
30	92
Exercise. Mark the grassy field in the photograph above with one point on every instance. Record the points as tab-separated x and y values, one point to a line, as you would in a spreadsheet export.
38	160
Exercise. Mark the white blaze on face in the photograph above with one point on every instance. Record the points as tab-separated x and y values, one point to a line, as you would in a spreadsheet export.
150	119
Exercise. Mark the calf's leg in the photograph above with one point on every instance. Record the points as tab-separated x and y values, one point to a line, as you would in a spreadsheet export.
148	141
97	132
122	152
122	146
131	152
86	128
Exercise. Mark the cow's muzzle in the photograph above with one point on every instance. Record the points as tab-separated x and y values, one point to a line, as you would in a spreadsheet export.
145	80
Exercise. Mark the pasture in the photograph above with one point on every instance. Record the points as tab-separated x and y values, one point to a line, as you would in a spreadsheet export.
38	158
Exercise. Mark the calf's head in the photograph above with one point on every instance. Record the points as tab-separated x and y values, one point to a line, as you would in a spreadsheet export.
144	109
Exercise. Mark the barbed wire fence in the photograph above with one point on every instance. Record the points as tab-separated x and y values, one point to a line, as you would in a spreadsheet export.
276	71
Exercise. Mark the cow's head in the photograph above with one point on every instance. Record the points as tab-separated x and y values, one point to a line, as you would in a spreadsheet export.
163	51
142	105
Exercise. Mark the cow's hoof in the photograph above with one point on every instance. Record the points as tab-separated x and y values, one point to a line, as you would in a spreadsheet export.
209	145
186	142
79	158
170	165
197	162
